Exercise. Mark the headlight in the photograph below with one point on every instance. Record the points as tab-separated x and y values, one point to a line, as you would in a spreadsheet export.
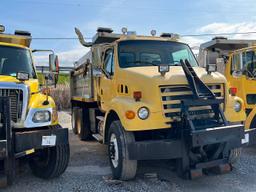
237	106
41	117
143	113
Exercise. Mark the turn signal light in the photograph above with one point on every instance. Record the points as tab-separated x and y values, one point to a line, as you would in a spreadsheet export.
130	114
233	91
137	95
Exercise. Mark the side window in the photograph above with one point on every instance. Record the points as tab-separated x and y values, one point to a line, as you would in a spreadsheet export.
236	63
109	62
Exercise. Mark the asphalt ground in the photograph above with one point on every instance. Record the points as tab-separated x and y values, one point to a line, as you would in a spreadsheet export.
89	171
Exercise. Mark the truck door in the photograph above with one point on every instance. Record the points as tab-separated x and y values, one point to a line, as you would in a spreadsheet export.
107	79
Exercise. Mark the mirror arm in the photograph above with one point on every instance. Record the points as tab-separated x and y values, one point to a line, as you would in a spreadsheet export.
46	102
42	50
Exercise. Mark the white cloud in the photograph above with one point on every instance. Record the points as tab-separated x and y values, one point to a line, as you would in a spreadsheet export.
231	28
193	42
217	28
66	58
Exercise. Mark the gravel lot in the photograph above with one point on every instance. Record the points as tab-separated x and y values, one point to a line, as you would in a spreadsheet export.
89	171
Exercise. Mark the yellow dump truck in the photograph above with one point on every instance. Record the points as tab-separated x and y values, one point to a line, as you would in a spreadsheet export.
28	118
237	61
147	98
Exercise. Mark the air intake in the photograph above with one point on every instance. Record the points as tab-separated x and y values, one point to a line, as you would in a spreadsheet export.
23	33
104	29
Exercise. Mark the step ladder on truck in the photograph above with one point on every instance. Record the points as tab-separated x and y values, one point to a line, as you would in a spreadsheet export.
145	97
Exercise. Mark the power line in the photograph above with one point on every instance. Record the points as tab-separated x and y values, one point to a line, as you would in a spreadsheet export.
185	35
218	34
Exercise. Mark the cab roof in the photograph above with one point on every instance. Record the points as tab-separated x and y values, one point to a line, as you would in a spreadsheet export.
15	40
105	35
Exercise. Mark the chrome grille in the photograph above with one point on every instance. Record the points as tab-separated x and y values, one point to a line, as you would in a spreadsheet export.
173	94
16	101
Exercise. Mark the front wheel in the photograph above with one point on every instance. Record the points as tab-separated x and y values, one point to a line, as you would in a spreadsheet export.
118	140
50	162
234	155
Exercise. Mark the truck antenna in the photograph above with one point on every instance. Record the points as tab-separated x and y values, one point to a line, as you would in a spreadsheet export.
81	38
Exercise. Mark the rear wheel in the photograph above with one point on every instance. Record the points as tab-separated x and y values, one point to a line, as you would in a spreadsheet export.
81	123
73	119
118	139
84	131
50	162
234	155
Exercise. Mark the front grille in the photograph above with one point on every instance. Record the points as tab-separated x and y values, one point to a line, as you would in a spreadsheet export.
173	94
16	101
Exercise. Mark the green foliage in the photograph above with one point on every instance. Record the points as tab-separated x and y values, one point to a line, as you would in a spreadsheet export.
63	78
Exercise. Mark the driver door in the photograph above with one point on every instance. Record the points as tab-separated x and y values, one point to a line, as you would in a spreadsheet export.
106	80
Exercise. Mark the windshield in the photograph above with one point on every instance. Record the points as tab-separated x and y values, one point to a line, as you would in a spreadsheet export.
13	60
245	63
137	53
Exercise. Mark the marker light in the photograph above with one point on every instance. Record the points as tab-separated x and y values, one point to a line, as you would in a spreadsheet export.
124	30
2	28
137	95
233	91
153	33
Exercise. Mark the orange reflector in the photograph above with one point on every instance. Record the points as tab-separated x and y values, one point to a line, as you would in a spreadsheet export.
233	91
130	114
137	95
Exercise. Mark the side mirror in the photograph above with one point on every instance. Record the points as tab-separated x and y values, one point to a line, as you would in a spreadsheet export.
211	68
54	68
97	72
53	63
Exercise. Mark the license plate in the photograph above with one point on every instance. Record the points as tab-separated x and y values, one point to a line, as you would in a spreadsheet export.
246	139
49	140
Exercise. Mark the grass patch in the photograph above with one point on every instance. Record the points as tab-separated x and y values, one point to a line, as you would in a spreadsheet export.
63	78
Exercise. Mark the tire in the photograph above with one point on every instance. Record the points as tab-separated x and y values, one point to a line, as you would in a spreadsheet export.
83	127
50	162
122	168
234	156
73	120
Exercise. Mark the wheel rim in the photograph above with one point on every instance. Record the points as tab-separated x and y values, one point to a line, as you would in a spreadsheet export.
113	149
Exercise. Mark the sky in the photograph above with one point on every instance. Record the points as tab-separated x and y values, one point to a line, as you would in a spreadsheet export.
57	18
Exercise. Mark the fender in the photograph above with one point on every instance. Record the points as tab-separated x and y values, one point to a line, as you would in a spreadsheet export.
120	105
250	118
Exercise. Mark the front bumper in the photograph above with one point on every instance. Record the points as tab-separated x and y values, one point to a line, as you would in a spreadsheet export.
233	136
27	140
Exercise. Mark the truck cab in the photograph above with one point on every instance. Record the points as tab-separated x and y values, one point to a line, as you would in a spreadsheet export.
147	98
235	59
28	118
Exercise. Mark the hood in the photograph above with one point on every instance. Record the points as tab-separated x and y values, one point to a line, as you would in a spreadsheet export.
176	75
32	83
